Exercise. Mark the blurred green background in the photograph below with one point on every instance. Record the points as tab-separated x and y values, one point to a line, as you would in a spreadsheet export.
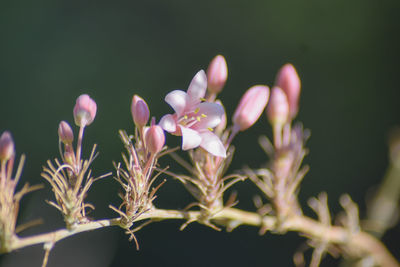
346	53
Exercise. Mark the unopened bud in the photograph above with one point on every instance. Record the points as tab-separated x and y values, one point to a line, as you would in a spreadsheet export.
289	81
278	107
7	149
217	73
140	111
65	133
250	107
69	157
84	111
155	139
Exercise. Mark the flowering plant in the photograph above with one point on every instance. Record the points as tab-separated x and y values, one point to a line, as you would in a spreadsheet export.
200	119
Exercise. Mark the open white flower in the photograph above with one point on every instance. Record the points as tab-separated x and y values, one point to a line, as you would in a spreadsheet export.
194	120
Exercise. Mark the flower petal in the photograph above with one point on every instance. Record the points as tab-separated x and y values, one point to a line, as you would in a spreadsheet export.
177	99
190	138
168	123
212	144
197	88
210	115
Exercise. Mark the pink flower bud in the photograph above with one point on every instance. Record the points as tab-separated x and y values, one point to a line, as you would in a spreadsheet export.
289	81
140	111
69	157
65	133
155	139
278	107
6	146
250	107
84	110
217	73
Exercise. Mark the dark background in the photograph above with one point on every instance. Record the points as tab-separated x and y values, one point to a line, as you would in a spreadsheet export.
346	53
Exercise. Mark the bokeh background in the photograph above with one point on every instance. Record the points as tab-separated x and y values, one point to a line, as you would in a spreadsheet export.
347	55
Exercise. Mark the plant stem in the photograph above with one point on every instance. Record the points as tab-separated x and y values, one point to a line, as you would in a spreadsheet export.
361	243
55	236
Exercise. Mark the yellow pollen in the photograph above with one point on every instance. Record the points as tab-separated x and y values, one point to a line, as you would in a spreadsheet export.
196	110
204	115
185	117
202	99
210	129
198	118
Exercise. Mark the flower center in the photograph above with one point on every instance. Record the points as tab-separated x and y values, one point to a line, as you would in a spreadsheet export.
191	118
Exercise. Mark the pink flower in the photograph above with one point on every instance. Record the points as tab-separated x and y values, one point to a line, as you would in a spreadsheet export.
250	107
194	120
84	110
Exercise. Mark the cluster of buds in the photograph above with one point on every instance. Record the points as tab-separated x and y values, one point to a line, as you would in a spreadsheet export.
143	150
284	103
71	177
280	182
201	121
9	198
